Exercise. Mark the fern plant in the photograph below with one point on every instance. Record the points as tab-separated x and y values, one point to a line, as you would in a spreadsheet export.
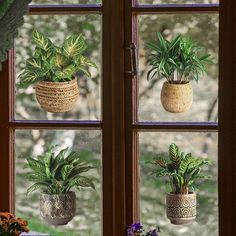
178	60
57	174
55	64
182	169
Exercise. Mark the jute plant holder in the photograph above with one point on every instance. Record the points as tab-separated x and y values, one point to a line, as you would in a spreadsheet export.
57	96
58	209
181	208
176	98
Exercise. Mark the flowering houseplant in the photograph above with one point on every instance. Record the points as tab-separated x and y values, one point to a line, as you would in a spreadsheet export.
136	229
12	226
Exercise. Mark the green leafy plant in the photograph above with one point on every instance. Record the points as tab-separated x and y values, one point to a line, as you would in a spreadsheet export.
57	174
182	169
178	60
55	64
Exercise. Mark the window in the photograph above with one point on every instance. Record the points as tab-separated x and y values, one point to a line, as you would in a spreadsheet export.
121	126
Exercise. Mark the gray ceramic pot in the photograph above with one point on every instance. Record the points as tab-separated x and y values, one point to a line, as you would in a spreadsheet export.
58	209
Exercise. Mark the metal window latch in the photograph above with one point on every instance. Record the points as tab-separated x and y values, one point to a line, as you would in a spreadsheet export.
133	57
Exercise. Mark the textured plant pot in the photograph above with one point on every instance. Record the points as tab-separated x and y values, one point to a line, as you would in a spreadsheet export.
58	209
57	96
181	208
176	98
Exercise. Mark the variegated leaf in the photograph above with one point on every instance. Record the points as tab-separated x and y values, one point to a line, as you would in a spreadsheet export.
60	60
74	46
86	61
41	41
66	73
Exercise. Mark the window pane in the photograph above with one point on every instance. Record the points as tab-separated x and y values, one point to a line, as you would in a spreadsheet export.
35	2
57	27
153	190
203	30
88	217
178	1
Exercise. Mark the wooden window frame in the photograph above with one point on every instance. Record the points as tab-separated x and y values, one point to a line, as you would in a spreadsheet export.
120	125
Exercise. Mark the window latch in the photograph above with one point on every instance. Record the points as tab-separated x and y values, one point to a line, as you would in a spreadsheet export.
133	57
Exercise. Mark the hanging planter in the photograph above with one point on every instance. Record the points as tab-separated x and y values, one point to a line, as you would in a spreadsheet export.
56	176
182	171
178	61
58	209
176	98
54	71
181	208
57	96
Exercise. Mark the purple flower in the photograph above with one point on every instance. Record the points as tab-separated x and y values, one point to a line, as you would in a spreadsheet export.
136	229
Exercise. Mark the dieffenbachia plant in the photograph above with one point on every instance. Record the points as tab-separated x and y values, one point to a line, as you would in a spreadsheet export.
55	64
182	169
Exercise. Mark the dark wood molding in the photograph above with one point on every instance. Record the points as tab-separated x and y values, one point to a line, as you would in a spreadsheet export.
177	8
52	124
65	9
7	165
227	119
176	126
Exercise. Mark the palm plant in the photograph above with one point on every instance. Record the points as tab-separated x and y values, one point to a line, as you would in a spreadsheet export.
178	60
182	169
57	174
55	64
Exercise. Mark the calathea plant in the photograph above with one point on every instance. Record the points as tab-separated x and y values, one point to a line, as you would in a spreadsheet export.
50	62
182	170
56	175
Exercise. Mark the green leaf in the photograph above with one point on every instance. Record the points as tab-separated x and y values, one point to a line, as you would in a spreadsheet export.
36	165
85	182
87	62
27	78
35	187
60	60
41	41
174	154
74	46
65	171
84	70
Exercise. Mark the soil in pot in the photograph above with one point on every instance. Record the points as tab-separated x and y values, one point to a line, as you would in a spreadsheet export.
57	96
181	208
176	98
58	209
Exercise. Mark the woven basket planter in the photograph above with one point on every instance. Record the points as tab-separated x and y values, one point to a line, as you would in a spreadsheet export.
176	98
181	208
57	96
58	209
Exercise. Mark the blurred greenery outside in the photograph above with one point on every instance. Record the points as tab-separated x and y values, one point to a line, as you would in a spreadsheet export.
88	221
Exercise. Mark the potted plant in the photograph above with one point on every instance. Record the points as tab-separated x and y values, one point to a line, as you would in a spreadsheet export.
178	61
11	225
182	171
54	71
55	175
136	229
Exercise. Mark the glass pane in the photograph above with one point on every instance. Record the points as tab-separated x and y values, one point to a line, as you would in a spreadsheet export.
57	28
88	217
49	2
178	1
153	190
203	30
